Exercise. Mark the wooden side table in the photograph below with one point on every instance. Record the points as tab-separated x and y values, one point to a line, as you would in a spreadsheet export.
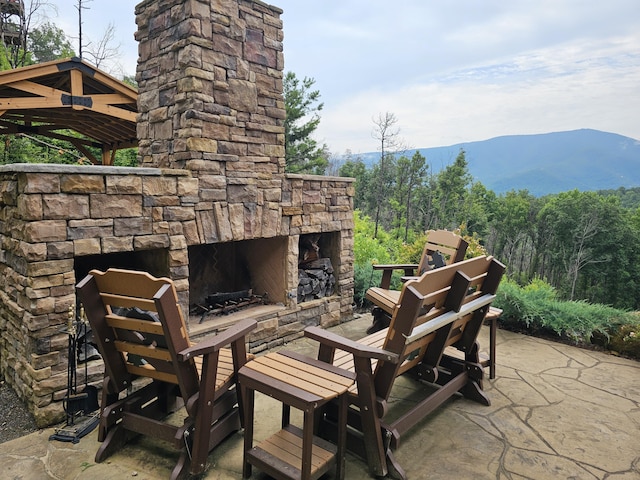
306	384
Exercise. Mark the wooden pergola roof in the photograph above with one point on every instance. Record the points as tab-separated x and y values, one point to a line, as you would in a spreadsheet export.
48	98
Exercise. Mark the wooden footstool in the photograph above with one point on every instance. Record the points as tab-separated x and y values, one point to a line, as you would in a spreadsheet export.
306	384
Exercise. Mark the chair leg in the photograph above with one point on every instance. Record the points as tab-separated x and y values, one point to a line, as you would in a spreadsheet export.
395	471
493	327
371	429
181	470
248	396
115	439
380	320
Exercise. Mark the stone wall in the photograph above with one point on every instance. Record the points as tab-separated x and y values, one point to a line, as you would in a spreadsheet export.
210	101
51	215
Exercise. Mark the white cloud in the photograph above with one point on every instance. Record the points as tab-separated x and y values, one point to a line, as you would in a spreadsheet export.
536	92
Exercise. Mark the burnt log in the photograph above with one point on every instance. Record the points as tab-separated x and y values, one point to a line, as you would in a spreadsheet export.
224	297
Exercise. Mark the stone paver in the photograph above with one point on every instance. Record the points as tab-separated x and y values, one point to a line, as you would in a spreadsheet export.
558	412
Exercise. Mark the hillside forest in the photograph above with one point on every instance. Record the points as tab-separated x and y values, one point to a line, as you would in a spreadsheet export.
581	243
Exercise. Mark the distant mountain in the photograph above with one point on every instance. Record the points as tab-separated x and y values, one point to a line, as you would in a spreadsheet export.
586	160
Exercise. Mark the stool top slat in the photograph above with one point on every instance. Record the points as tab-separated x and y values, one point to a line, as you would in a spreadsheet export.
300	375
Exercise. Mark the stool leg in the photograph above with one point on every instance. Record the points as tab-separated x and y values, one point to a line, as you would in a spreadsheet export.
248	396
286	415
307	444
492	347
342	436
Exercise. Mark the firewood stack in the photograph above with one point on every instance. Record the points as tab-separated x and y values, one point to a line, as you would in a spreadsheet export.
315	280
315	274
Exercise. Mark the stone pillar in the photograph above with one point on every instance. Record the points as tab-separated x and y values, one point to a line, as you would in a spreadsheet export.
210	88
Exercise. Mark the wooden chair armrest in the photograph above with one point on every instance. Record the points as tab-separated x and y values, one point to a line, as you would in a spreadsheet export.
387	270
406	278
357	349
449	317
221	340
403	266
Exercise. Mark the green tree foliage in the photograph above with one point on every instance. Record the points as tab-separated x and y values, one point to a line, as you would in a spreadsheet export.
451	192
356	168
127	157
18	54
302	152
480	211
368	250
410	178
629	197
48	42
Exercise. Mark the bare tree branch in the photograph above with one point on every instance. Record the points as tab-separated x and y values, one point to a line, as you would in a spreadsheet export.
104	50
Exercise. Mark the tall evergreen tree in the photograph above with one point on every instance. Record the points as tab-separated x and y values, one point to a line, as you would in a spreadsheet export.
302	153
451	185
387	134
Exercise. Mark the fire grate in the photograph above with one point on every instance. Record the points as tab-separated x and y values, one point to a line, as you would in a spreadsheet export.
224	303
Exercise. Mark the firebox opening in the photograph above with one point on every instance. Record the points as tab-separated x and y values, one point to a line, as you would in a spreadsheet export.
257	265
155	262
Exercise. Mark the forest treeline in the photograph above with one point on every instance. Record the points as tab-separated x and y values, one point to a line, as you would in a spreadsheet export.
584	244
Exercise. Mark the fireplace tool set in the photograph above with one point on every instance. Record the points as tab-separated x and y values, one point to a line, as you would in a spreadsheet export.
81	407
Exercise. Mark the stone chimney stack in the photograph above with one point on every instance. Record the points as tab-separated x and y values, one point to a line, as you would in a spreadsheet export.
210	87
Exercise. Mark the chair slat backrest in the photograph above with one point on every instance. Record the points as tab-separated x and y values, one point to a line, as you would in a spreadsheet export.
430	302
139	327
452	246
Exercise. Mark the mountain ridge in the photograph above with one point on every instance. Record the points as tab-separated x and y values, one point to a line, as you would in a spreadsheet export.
546	163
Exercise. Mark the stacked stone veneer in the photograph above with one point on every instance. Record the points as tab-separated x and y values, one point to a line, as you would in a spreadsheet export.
212	147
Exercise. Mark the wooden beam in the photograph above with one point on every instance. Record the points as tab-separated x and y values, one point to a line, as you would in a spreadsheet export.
108	156
45	131
77	89
115	84
26	73
31	103
116	112
113	99
86	152
49	97
36	89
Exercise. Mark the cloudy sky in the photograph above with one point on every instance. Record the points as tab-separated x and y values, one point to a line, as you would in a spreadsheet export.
451	72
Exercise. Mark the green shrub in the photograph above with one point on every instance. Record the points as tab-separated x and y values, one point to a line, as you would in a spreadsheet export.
369	251
536	310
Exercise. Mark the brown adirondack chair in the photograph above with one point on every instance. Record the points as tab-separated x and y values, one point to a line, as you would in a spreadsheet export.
439	312
150	365
441	248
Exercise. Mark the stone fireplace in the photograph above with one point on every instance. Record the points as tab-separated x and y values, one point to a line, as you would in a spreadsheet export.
211	205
